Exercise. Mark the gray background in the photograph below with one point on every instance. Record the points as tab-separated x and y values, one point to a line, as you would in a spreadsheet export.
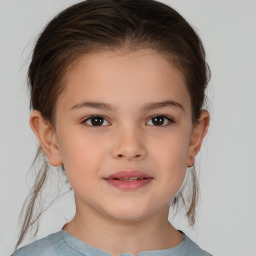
226	224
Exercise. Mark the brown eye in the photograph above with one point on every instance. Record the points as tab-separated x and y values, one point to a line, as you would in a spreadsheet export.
160	120
95	121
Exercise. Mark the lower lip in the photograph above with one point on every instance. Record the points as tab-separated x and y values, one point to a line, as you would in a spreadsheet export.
129	185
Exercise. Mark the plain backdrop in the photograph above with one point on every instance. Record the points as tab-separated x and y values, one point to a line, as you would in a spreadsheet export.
226	224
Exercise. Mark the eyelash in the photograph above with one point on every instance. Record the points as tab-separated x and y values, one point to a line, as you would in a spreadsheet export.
170	120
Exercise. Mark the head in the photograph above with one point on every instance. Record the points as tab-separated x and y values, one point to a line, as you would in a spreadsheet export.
115	52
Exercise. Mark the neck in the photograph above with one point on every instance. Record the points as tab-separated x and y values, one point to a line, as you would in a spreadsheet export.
115	237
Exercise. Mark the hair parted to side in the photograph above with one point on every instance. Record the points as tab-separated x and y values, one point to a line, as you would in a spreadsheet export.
99	25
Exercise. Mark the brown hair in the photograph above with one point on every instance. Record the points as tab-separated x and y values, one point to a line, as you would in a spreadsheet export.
100	25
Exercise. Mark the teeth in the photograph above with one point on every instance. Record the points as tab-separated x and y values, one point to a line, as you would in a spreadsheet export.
131	178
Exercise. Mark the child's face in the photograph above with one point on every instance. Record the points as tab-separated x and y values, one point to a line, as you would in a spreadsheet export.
127	138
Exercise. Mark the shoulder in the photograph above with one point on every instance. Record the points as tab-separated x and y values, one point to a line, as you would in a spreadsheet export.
190	248
53	245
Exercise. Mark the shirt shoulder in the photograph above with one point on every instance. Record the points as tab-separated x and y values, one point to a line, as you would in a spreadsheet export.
190	248
53	245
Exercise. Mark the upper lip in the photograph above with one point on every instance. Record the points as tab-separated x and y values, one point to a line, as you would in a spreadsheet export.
128	174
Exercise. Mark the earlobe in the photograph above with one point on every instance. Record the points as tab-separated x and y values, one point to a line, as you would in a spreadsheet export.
46	136
198	133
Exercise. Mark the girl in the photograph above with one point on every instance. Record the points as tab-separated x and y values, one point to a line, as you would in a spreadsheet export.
117	92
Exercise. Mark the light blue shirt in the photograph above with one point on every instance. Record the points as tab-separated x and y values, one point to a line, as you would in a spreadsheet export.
64	244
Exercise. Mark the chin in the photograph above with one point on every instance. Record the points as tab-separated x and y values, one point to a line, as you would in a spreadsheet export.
129	214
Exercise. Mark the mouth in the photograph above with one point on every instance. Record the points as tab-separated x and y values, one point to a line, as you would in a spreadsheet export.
129	180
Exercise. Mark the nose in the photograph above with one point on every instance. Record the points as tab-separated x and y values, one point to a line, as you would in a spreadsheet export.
129	144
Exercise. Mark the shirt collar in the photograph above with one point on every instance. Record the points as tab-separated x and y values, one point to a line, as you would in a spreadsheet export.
89	250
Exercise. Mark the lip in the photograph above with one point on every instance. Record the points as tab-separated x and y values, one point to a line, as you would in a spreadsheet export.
128	174
121	180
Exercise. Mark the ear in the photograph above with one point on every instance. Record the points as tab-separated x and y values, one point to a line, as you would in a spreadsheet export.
198	133
46	136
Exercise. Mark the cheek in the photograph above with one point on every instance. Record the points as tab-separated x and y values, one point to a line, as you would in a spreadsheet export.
170	157
172	150
81	156
172	164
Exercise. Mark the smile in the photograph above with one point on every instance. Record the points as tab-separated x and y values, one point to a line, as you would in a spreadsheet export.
129	180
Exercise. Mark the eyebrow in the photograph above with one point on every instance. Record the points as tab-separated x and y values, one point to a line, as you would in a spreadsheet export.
147	107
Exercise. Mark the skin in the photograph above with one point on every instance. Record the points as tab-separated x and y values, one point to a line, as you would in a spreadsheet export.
107	217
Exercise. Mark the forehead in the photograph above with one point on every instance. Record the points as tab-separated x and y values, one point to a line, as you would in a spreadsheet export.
142	75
